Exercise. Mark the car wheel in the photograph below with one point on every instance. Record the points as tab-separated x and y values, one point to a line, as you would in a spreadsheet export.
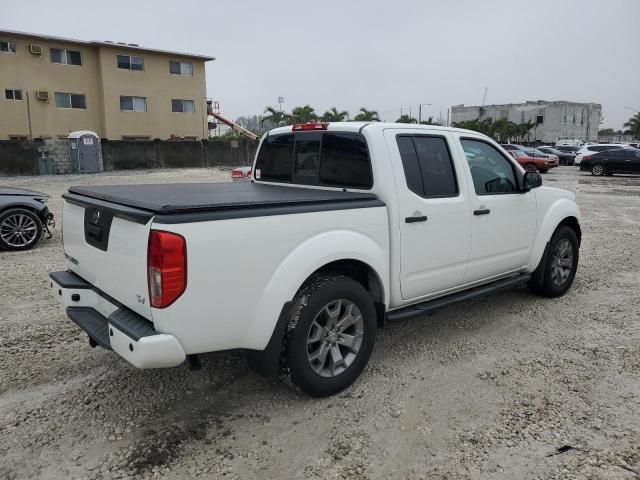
20	229
330	336
543	170
530	167
598	170
560	265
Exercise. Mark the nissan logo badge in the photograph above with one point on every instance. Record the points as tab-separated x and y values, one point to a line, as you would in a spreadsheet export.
96	216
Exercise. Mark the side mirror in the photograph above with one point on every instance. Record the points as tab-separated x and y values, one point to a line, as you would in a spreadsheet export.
531	180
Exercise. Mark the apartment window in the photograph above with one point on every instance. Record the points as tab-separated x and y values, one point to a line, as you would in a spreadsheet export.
130	62
66	57
181	68
7	47
70	100
133	104
13	94
182	106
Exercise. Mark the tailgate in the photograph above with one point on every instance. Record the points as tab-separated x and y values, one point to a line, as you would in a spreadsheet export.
109	251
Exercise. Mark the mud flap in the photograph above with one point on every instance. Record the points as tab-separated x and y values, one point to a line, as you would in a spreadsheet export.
267	362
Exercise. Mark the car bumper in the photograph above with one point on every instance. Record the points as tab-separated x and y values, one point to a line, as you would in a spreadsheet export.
114	326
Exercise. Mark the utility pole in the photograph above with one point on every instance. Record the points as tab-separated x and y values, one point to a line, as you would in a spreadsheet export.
420	111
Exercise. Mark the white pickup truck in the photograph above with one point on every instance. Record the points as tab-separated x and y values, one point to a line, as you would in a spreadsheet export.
344	227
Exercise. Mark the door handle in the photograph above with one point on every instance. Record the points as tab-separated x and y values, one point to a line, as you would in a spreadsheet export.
415	219
484	211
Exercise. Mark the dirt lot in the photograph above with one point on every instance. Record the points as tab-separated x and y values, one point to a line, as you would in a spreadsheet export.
512	386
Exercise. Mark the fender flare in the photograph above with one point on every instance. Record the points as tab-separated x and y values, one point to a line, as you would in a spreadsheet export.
560	210
272	312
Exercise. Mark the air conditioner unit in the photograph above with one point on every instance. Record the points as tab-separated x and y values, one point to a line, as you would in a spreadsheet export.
35	49
42	95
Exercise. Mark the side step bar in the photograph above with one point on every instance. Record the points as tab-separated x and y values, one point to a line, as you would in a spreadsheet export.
439	303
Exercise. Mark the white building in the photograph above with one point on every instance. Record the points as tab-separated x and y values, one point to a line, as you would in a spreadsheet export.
552	120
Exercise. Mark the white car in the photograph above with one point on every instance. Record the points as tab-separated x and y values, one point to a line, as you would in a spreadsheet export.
344	227
595	148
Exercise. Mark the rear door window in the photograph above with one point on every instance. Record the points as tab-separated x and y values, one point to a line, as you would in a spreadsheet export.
427	165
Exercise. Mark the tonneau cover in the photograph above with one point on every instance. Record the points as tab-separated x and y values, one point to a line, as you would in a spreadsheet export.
189	197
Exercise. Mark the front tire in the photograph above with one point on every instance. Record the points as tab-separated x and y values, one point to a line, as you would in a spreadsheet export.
20	229
560	265
330	335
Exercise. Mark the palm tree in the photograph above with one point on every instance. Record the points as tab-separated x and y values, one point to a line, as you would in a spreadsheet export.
406	119
303	114
365	115
334	115
275	117
633	126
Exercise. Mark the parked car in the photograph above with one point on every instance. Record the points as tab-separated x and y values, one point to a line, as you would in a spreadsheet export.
24	218
241	174
635	145
595	148
570	149
621	160
531	163
564	158
531	152
345	227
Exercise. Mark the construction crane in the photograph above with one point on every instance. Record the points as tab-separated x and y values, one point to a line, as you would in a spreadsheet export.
234	126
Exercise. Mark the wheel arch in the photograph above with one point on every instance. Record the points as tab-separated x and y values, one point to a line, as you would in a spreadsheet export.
562	212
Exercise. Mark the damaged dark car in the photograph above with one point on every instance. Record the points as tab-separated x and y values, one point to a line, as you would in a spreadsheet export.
24	218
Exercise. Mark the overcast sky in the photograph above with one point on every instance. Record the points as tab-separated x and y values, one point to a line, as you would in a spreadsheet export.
379	54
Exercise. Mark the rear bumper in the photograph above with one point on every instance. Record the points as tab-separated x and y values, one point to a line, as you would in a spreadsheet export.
114	326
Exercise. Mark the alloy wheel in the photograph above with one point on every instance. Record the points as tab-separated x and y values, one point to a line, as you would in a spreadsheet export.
18	230
561	262
334	338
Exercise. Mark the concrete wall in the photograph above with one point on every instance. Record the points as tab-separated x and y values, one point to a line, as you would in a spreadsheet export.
102	83
18	158
129	155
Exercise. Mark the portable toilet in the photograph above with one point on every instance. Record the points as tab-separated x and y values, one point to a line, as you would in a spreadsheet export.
83	152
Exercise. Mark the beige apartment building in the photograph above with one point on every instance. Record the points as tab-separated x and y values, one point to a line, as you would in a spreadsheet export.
52	86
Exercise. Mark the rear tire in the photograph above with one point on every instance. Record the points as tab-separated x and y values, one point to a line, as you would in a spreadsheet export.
597	170
560	264
543	170
330	335
20	229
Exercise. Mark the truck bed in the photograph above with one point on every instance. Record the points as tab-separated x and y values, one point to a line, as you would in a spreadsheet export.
184	202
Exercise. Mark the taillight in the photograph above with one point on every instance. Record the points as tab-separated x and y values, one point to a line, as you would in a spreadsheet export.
166	267
310	126
237	174
586	157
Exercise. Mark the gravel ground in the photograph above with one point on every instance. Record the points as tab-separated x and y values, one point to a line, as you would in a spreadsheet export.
511	386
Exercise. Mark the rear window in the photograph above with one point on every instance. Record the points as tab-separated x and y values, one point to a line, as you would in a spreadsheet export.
338	159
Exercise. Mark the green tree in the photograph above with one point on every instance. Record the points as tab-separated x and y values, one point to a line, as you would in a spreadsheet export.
365	115
334	115
607	131
406	119
274	117
303	114
428	121
633	126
